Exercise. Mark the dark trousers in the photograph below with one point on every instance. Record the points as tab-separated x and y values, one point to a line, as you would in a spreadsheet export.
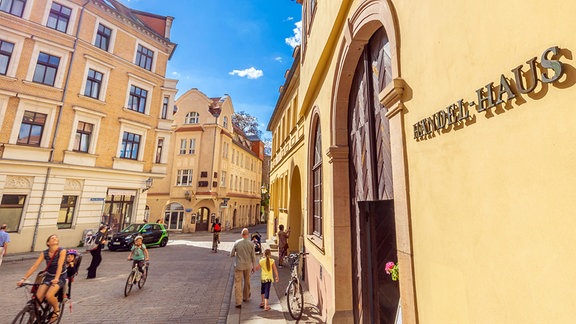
96	259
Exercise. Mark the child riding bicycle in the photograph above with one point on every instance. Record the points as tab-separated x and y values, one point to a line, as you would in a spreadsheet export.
139	254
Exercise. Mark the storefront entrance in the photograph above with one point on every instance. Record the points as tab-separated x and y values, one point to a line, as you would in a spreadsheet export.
202	219
118	208
174	216
373	235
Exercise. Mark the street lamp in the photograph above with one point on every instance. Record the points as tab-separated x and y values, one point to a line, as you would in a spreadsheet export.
149	182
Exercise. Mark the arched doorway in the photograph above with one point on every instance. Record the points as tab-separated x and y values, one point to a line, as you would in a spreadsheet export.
202	219
375	294
174	216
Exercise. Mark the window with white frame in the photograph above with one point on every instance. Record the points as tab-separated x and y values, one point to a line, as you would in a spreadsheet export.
183	145
103	37
184	177
6	49
59	17
164	113
159	149
223	179
192	118
93	84
130	146
192	147
144	57
32	128
137	99
46	69
83	135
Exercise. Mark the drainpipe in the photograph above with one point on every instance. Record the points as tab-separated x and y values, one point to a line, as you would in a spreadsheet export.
59	116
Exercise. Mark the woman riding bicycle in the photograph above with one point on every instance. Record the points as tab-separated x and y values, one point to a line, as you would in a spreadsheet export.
139	254
55	274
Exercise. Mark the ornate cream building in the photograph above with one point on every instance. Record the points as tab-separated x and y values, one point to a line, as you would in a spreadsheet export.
84	114
436	136
215	171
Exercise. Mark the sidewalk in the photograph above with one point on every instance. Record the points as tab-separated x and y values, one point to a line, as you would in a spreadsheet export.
251	312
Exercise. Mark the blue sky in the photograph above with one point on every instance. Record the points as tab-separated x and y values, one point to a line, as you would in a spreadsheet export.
237	47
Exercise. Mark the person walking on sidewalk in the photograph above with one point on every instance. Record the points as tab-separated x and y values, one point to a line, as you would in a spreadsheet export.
243	250
267	265
282	244
97	252
4	240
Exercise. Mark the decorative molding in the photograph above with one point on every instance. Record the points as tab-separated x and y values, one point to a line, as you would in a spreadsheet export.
16	182
337	153
391	96
73	185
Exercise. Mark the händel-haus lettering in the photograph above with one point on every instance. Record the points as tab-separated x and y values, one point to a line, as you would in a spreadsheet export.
490	96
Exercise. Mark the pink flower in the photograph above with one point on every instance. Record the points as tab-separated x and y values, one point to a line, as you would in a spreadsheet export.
389	267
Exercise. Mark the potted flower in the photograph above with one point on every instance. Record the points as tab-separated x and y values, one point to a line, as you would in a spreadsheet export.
392	269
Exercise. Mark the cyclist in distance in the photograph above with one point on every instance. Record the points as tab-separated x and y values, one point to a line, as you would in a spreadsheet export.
55	277
139	254
216	229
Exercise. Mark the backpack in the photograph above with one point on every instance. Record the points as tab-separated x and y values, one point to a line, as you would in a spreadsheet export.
217	227
91	242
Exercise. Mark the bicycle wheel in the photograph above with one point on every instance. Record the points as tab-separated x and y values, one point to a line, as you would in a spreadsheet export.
295	300
142	280
129	283
61	312
26	315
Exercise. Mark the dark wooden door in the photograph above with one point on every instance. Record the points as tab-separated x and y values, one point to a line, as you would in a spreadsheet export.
202	219
375	296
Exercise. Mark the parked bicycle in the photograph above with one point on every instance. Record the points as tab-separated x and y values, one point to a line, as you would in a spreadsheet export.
294	293
136	278
39	312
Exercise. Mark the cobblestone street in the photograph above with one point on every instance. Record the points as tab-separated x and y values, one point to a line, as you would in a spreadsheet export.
186	284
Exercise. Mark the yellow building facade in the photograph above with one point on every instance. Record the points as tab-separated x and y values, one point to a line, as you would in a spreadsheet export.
215	171
436	138
83	107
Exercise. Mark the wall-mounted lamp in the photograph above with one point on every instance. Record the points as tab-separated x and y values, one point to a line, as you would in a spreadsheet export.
149	182
187	196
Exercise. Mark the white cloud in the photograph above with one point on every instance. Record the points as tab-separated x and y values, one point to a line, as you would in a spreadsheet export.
278	59
175	74
297	38
289	19
250	73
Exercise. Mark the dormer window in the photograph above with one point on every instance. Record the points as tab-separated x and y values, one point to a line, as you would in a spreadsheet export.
192	118
225	122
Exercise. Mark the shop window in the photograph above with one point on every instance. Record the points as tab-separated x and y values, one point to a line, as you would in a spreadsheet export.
66	214
11	210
